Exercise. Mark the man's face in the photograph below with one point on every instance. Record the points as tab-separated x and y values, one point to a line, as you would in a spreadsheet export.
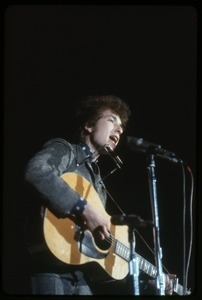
107	130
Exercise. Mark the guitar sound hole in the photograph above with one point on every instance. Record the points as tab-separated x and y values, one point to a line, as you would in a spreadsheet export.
102	244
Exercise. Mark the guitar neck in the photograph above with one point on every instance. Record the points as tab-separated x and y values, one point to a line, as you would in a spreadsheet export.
144	265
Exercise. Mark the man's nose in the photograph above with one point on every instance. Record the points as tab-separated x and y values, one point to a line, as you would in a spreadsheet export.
119	129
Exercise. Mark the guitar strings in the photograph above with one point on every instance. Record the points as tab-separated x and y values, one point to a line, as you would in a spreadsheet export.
113	241
124	249
110	196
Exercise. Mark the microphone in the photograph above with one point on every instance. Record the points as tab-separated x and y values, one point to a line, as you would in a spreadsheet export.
133	220
138	144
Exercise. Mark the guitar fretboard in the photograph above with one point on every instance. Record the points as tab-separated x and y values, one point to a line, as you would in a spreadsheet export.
124	252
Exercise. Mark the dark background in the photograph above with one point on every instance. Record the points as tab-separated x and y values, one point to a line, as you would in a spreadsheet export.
56	54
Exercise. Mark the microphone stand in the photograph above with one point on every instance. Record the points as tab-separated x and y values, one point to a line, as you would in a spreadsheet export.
132	221
160	278
133	261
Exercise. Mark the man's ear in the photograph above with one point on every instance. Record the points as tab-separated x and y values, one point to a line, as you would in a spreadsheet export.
88	128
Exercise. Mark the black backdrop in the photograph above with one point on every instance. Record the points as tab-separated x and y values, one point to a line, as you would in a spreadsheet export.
56	54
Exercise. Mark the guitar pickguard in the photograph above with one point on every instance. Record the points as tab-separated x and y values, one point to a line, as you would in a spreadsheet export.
87	247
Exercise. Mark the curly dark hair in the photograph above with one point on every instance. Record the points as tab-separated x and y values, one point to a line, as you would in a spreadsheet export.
90	109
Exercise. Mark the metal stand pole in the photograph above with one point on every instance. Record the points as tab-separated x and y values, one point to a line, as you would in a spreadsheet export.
132	221
160	278
133	262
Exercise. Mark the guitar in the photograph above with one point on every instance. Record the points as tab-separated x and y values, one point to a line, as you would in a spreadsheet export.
71	242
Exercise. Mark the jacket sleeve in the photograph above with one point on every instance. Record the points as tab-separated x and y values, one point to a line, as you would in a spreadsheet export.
43	172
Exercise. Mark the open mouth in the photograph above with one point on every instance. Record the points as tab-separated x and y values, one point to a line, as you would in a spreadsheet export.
114	139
